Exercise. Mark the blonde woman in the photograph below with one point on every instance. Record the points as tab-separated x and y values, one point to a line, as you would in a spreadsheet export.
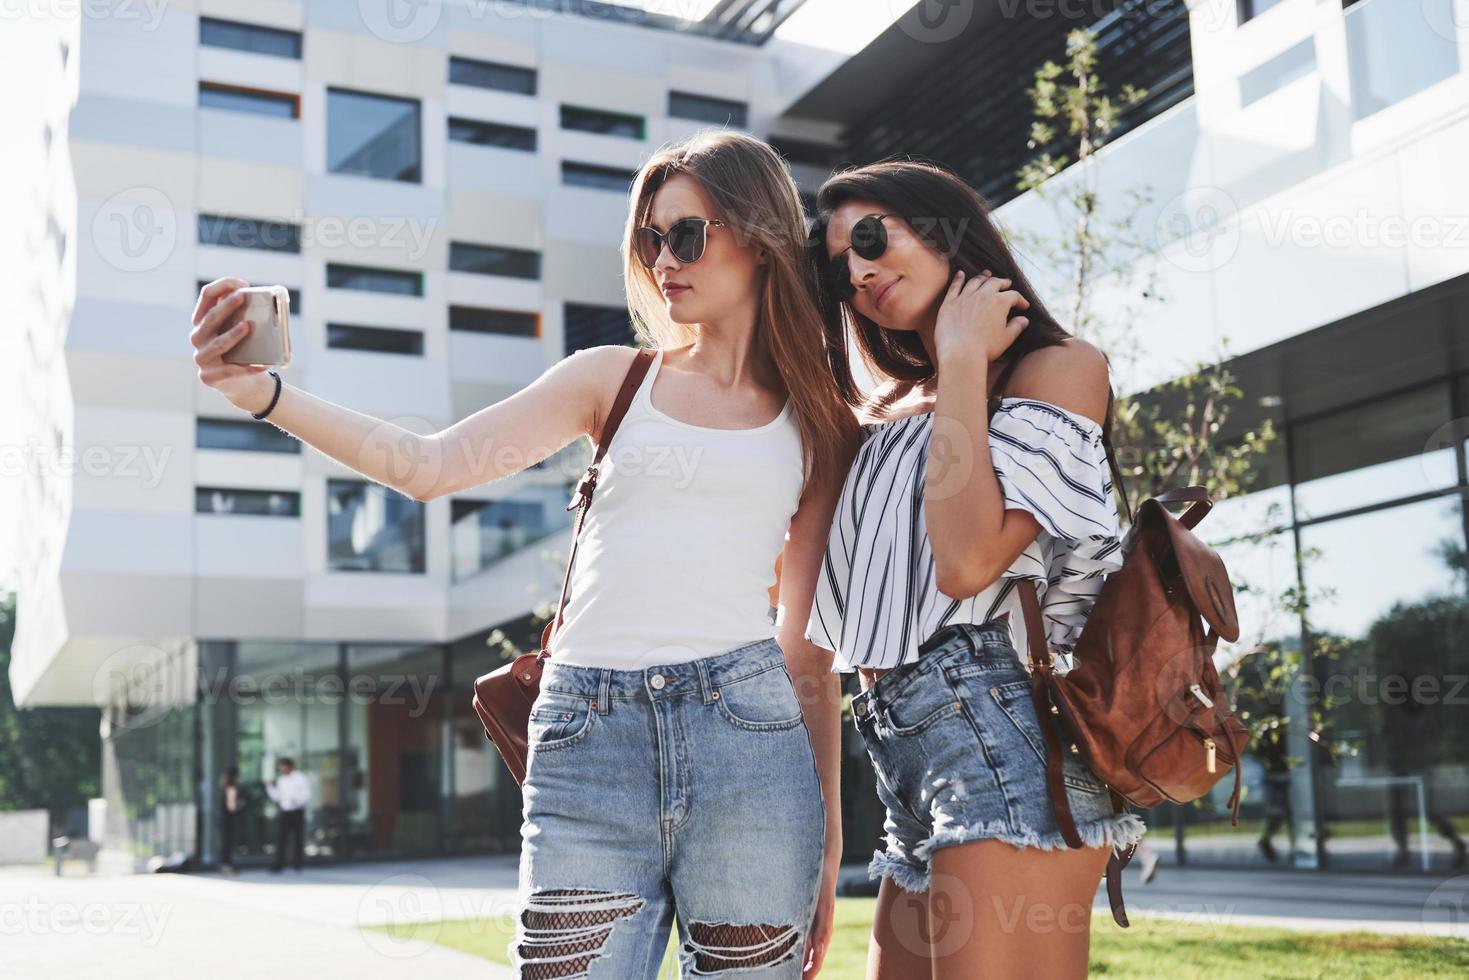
684	747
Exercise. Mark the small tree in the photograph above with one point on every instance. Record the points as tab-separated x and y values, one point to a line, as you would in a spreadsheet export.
1169	436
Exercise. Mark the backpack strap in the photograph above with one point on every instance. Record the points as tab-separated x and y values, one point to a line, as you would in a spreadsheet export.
1042	677
581	500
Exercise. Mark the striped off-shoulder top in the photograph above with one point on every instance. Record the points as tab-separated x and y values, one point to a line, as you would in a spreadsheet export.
876	599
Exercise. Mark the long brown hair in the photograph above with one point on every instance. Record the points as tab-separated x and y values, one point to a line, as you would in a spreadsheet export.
950	217
756	196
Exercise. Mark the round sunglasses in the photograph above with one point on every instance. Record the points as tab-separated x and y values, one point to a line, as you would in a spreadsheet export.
869	240
686	240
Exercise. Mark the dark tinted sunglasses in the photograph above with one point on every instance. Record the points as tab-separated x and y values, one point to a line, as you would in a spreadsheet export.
869	240
686	240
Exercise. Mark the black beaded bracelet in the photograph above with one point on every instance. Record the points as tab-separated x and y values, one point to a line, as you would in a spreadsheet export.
273	398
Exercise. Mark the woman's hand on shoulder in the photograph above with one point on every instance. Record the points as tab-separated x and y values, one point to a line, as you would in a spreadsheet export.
1073	376
980	314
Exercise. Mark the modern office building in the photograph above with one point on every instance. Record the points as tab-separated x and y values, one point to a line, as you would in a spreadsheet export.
442	194
442	188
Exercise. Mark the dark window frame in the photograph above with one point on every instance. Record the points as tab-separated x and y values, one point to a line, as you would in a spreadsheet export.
252	493
400	275
414	174
529	76
519	139
273	440
586	119
412	340
494	322
291	39
461	255
237	231
711	103
261	95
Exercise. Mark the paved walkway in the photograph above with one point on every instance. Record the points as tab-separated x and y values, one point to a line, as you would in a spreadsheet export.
310	925
257	925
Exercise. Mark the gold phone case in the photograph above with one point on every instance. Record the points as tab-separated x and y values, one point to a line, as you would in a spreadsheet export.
269	309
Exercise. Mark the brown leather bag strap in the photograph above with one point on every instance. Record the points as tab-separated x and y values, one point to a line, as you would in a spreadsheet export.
582	499
1040	676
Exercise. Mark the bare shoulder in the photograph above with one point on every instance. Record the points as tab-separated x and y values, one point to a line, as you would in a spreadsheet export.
1072	375
600	371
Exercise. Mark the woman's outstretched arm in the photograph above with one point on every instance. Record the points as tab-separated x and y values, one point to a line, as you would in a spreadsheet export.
519	431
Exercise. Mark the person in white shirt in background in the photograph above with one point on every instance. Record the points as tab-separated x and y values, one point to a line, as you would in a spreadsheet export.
291	792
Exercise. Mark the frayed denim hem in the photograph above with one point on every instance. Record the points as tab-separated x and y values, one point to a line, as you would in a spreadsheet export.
1117	831
906	876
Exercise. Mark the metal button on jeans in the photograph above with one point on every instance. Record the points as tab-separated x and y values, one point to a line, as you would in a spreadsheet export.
657	681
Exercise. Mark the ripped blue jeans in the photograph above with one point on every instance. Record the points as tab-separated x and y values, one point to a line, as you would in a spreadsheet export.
689	787
959	756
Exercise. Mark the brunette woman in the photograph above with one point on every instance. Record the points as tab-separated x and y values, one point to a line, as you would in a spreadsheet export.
672	762
944	511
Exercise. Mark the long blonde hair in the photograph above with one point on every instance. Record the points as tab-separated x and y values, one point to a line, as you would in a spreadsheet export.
757	198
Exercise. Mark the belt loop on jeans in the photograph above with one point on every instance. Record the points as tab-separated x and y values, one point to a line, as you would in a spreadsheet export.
603	683
706	686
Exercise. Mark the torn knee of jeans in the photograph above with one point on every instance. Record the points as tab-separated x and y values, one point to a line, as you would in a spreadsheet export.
714	948
562	930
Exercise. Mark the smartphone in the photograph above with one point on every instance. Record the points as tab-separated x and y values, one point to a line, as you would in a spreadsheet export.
269	342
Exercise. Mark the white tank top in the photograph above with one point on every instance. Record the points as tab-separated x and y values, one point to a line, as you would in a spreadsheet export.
678	551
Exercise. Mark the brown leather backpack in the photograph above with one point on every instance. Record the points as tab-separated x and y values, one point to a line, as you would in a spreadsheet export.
1142	703
503	697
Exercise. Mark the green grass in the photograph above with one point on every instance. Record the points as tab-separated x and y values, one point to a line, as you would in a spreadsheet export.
1151	948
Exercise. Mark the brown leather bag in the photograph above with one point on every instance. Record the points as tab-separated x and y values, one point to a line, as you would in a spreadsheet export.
503	697
1142	703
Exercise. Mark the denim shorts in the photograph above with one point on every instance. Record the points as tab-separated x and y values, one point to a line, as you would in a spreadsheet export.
690	787
959	756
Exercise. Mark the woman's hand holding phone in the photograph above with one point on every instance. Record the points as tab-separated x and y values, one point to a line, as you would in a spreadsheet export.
245	385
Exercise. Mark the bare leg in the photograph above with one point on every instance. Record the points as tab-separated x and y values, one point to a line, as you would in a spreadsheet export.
1026	912
898	949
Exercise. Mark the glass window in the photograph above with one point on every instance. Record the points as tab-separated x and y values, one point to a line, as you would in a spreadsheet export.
282	701
1250	9
592	326
243	434
595	177
706	108
396	716
1389	606
1397	48
512	323
260	503
372	135
397	281
382	340
485	531
1295	62
1373	453
217	33
372	529
489	74
494	260
231	232
602	121
237	99
483	133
